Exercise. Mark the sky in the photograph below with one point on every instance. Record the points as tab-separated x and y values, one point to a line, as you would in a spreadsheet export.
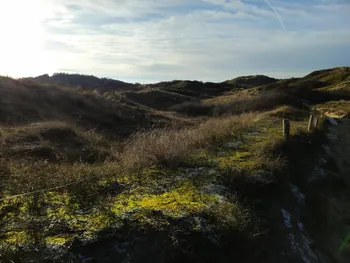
157	40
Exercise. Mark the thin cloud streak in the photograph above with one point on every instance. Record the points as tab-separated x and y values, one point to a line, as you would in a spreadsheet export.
277	15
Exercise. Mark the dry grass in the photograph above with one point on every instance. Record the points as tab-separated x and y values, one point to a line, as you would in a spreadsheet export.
54	141
289	112
338	108
171	146
24	102
92	185
242	103
34	160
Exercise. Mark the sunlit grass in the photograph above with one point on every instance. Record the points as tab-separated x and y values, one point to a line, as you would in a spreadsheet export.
143	186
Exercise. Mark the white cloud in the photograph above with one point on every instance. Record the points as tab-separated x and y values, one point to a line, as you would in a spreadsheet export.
166	39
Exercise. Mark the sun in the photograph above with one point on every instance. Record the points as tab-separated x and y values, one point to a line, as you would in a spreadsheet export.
22	38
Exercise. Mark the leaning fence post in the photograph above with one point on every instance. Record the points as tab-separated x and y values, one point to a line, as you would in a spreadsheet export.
311	121
286	129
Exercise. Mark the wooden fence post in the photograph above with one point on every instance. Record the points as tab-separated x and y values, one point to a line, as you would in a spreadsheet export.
286	129
317	119
311	122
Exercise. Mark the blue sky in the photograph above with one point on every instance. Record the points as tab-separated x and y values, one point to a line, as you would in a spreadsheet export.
147	41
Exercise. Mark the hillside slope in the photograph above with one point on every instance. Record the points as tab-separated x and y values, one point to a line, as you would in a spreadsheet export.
78	80
316	87
252	81
23	102
180	171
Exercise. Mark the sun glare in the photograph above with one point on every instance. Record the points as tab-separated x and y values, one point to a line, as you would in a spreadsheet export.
22	38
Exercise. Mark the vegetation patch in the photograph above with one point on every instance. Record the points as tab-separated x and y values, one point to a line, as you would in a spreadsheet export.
114	169
335	108
179	202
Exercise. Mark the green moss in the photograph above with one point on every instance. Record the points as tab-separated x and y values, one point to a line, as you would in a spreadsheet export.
19	238
253	153
57	241
92	222
239	160
183	200
201	158
57	198
148	175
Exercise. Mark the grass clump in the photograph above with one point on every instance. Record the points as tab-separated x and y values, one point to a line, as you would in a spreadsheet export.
173	146
337	108
289	112
53	142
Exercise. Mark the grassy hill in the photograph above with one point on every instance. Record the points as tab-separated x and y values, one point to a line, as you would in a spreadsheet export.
167	172
78	80
24	102
252	81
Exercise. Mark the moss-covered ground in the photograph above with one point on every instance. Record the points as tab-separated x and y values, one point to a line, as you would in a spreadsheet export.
151	197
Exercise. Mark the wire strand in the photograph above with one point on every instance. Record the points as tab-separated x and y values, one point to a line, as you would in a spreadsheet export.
46	189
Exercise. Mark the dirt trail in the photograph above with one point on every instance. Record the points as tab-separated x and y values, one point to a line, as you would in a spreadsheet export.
340	146
334	168
313	225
